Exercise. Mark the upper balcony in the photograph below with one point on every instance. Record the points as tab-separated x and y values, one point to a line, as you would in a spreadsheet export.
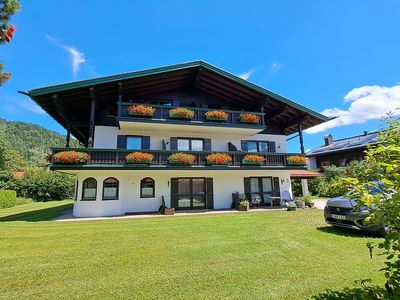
162	116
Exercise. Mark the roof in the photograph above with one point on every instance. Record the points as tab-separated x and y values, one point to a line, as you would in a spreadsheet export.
346	144
198	74
302	174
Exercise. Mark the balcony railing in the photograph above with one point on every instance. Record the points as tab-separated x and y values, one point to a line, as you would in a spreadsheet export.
117	157
162	113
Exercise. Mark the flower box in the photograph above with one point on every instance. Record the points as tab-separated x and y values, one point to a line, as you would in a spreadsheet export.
253	159
181	159
296	160
248	118
181	113
169	211
141	110
216	116
71	158
218	159
139	158
243	205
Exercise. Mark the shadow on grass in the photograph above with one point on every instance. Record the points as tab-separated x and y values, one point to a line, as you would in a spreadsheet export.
357	293
347	232
38	215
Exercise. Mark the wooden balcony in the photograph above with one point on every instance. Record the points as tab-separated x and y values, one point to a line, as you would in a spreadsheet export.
115	158
162	116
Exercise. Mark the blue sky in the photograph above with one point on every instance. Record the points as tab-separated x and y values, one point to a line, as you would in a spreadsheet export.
339	57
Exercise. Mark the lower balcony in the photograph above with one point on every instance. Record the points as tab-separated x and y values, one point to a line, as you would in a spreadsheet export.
65	158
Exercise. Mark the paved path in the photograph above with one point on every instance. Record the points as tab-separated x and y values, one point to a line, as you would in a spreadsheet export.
68	217
320	203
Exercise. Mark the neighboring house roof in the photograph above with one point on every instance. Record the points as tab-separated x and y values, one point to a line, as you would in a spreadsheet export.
346	144
303	174
69	103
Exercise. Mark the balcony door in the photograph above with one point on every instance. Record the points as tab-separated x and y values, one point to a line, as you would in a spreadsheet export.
261	188
192	193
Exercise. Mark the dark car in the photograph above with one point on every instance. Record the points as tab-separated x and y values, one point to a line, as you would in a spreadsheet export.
343	212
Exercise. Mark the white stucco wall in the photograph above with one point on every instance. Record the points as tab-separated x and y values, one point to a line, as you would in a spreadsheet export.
106	137
312	162
225	183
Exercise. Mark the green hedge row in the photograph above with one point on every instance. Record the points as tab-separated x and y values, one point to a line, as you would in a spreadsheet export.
8	198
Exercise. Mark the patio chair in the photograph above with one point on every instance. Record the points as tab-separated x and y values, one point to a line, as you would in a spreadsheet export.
286	197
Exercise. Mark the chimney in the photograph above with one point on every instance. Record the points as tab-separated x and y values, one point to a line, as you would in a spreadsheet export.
365	132
328	139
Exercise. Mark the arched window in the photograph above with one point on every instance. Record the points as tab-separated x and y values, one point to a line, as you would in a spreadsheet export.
110	188
147	188
89	189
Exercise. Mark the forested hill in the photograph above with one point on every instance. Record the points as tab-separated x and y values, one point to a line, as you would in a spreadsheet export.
32	142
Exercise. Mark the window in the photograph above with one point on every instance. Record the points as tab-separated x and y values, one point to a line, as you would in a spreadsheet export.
134	142
260	146
147	188
110	189
190	144
89	189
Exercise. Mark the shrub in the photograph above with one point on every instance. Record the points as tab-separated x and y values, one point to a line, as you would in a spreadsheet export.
253	158
216	115
218	159
182	113
22	201
296	160
8	198
181	159
71	157
139	157
249	118
141	110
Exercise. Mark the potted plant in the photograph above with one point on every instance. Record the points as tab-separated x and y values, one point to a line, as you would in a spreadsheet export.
181	159
253	159
244	205
218	159
249	118
291	205
141	110
296	160
139	158
181	113
71	157
300	203
308	201
217	115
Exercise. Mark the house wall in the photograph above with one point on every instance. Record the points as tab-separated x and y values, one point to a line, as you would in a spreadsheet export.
106	137
225	183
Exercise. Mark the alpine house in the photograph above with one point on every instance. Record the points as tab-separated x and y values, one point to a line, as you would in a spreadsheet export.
189	135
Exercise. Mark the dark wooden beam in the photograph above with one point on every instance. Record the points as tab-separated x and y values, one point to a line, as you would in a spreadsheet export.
92	116
68	136
120	91
300	130
196	79
272	114
295	121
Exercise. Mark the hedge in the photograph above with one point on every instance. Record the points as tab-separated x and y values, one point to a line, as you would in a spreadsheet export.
8	198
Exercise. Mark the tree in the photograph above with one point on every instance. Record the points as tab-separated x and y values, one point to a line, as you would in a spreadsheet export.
7	9
384	202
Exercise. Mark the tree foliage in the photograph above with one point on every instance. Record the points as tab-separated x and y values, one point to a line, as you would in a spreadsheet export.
385	204
7	9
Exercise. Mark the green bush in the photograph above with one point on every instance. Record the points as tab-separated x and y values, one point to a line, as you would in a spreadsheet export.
22	201
8	198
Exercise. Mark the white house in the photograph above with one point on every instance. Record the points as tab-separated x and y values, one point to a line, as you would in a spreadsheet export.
102	113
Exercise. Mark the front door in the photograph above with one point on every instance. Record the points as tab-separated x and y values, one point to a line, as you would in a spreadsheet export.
191	193
261	188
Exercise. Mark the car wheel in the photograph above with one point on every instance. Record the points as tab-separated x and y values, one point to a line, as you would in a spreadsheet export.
384	230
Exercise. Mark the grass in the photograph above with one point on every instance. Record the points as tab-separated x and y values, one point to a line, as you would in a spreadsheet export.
272	255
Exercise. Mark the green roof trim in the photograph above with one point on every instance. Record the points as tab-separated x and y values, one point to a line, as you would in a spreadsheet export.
153	71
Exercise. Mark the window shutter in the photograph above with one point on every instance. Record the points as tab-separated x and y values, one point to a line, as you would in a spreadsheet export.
271	146
207	144
121	142
174	193
247	190
209	193
275	187
173	143
244	146
146	142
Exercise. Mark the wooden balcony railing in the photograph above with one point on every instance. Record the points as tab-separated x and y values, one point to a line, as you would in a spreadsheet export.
162	112
117	157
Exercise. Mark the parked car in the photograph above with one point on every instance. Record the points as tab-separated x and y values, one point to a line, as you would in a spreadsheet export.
343	212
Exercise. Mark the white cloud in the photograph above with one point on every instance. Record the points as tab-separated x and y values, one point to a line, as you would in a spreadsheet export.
77	57
246	75
276	67
31	106
366	103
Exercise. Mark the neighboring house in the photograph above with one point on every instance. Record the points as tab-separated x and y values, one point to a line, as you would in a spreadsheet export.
96	112
341	152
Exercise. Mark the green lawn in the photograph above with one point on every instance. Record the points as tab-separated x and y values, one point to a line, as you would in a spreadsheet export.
271	255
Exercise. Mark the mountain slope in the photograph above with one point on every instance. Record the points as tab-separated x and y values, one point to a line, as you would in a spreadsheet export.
32	142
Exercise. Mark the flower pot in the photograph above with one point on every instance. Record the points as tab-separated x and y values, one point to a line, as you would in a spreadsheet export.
248	122
243	207
144	163
291	208
301	204
140	115
248	162
216	120
180	118
311	205
169	211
